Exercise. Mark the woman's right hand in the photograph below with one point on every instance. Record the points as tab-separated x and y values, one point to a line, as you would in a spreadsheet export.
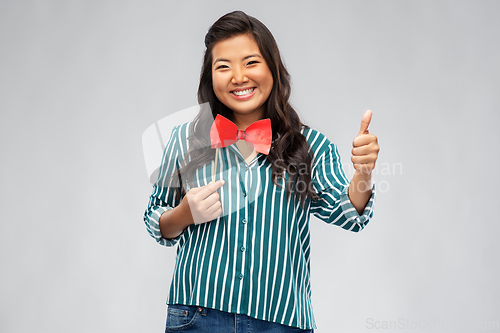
203	202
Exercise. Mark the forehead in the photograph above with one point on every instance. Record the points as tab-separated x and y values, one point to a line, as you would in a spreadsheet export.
235	48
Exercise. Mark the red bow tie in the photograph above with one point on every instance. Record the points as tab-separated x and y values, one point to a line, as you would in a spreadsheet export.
224	133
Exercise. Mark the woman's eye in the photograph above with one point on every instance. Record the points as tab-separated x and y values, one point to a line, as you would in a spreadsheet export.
222	66
252	62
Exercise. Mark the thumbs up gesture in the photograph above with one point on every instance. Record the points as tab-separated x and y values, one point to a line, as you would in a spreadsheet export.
365	147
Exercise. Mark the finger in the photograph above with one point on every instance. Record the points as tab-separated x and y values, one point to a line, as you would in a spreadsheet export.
210	188
363	150
370	148
211	200
215	209
195	190
363	140
364	159
365	122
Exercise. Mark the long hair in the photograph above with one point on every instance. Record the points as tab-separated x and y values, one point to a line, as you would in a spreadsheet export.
290	152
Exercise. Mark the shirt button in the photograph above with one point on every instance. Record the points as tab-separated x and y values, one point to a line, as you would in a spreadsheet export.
241	276
242	248
245	194
244	221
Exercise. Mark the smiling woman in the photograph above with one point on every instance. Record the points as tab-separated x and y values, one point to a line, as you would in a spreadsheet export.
241	78
244	242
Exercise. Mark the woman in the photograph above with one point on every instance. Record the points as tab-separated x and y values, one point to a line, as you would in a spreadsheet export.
244	245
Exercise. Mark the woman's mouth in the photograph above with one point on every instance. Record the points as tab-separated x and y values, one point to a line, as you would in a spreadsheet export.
243	94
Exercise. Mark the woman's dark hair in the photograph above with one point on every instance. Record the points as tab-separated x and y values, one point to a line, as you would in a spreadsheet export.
291	150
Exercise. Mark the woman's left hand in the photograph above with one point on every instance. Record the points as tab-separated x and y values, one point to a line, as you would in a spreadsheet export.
365	148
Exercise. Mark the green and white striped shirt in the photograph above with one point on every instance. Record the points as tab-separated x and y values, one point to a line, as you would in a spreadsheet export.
255	259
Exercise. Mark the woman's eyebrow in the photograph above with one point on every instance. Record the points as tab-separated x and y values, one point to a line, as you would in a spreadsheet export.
251	56
220	59
245	58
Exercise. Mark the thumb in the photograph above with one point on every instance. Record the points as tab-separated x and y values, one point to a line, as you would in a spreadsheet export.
365	122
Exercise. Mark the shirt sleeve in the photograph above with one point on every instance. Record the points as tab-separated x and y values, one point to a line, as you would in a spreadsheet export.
163	197
332	186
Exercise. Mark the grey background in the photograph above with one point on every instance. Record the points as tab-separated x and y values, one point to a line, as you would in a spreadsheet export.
81	80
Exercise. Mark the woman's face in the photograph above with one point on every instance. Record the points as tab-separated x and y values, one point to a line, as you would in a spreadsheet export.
241	78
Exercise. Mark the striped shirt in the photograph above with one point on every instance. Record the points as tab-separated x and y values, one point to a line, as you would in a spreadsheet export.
255	258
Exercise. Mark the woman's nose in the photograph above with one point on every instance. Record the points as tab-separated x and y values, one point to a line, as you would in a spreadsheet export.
239	77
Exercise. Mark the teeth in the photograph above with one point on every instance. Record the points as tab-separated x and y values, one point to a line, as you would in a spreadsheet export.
243	92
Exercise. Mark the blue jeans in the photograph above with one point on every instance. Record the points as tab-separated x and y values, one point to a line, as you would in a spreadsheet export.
189	318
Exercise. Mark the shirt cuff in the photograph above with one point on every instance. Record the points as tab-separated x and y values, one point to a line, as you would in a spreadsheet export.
154	224
350	212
